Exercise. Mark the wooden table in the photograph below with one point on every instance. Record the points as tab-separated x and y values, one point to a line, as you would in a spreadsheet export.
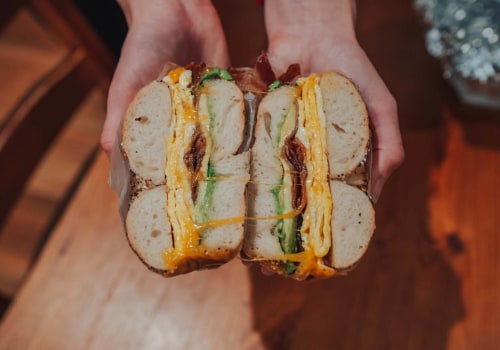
430	279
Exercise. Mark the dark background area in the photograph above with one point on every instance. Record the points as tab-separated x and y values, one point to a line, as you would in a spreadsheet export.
107	19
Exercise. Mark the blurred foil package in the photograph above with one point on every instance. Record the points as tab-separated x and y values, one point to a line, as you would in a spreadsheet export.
464	36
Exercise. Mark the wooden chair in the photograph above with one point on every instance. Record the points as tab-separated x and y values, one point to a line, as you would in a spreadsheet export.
34	123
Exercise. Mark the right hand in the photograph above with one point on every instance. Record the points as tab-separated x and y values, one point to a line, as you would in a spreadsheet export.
160	31
320	36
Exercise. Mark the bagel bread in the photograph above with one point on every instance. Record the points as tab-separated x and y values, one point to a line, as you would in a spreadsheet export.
209	179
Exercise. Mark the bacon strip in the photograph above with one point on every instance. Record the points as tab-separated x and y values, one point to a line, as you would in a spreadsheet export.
258	78
294	153
193	160
248	80
264	69
197	71
292	72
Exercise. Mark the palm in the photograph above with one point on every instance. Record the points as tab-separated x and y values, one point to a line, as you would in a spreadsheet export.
351	60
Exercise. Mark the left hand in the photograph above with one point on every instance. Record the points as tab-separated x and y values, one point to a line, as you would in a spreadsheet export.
160	31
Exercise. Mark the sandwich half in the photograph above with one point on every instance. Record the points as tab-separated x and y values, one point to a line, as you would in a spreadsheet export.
308	208
182	138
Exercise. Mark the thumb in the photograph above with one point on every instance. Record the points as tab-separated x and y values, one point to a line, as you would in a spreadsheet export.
127	80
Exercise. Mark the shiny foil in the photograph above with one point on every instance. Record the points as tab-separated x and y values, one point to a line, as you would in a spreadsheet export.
464	35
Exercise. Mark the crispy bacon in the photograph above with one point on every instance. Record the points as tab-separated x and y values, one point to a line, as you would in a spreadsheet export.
291	73
294	152
248	80
258	78
264	69
193	159
197	71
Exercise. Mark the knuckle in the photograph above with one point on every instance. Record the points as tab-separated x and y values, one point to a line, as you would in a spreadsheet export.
391	105
399	155
394	160
106	143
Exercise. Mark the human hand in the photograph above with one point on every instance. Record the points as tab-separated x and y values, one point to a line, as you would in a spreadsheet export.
320	36
160	31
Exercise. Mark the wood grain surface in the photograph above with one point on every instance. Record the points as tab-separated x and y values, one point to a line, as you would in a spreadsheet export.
42	84
430	279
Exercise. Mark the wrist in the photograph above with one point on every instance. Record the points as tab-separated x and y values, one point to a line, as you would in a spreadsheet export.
139	11
310	21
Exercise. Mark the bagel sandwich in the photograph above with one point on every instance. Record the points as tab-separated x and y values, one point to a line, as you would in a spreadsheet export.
312	216
181	137
227	162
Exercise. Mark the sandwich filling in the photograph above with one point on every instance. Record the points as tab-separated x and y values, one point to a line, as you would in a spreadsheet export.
305	238
303	198
189	172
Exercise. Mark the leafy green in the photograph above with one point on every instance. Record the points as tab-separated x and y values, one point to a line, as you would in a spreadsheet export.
280	127
211	74
285	229
274	85
290	267
224	74
206	201
215	73
211	175
276	191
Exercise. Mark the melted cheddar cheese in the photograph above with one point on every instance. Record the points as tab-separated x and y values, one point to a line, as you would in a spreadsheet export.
316	218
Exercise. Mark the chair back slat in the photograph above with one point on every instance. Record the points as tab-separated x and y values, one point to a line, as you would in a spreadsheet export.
37	121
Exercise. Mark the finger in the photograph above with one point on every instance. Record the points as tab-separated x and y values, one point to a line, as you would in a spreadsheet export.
120	95
129	77
281	55
388	152
209	34
387	146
